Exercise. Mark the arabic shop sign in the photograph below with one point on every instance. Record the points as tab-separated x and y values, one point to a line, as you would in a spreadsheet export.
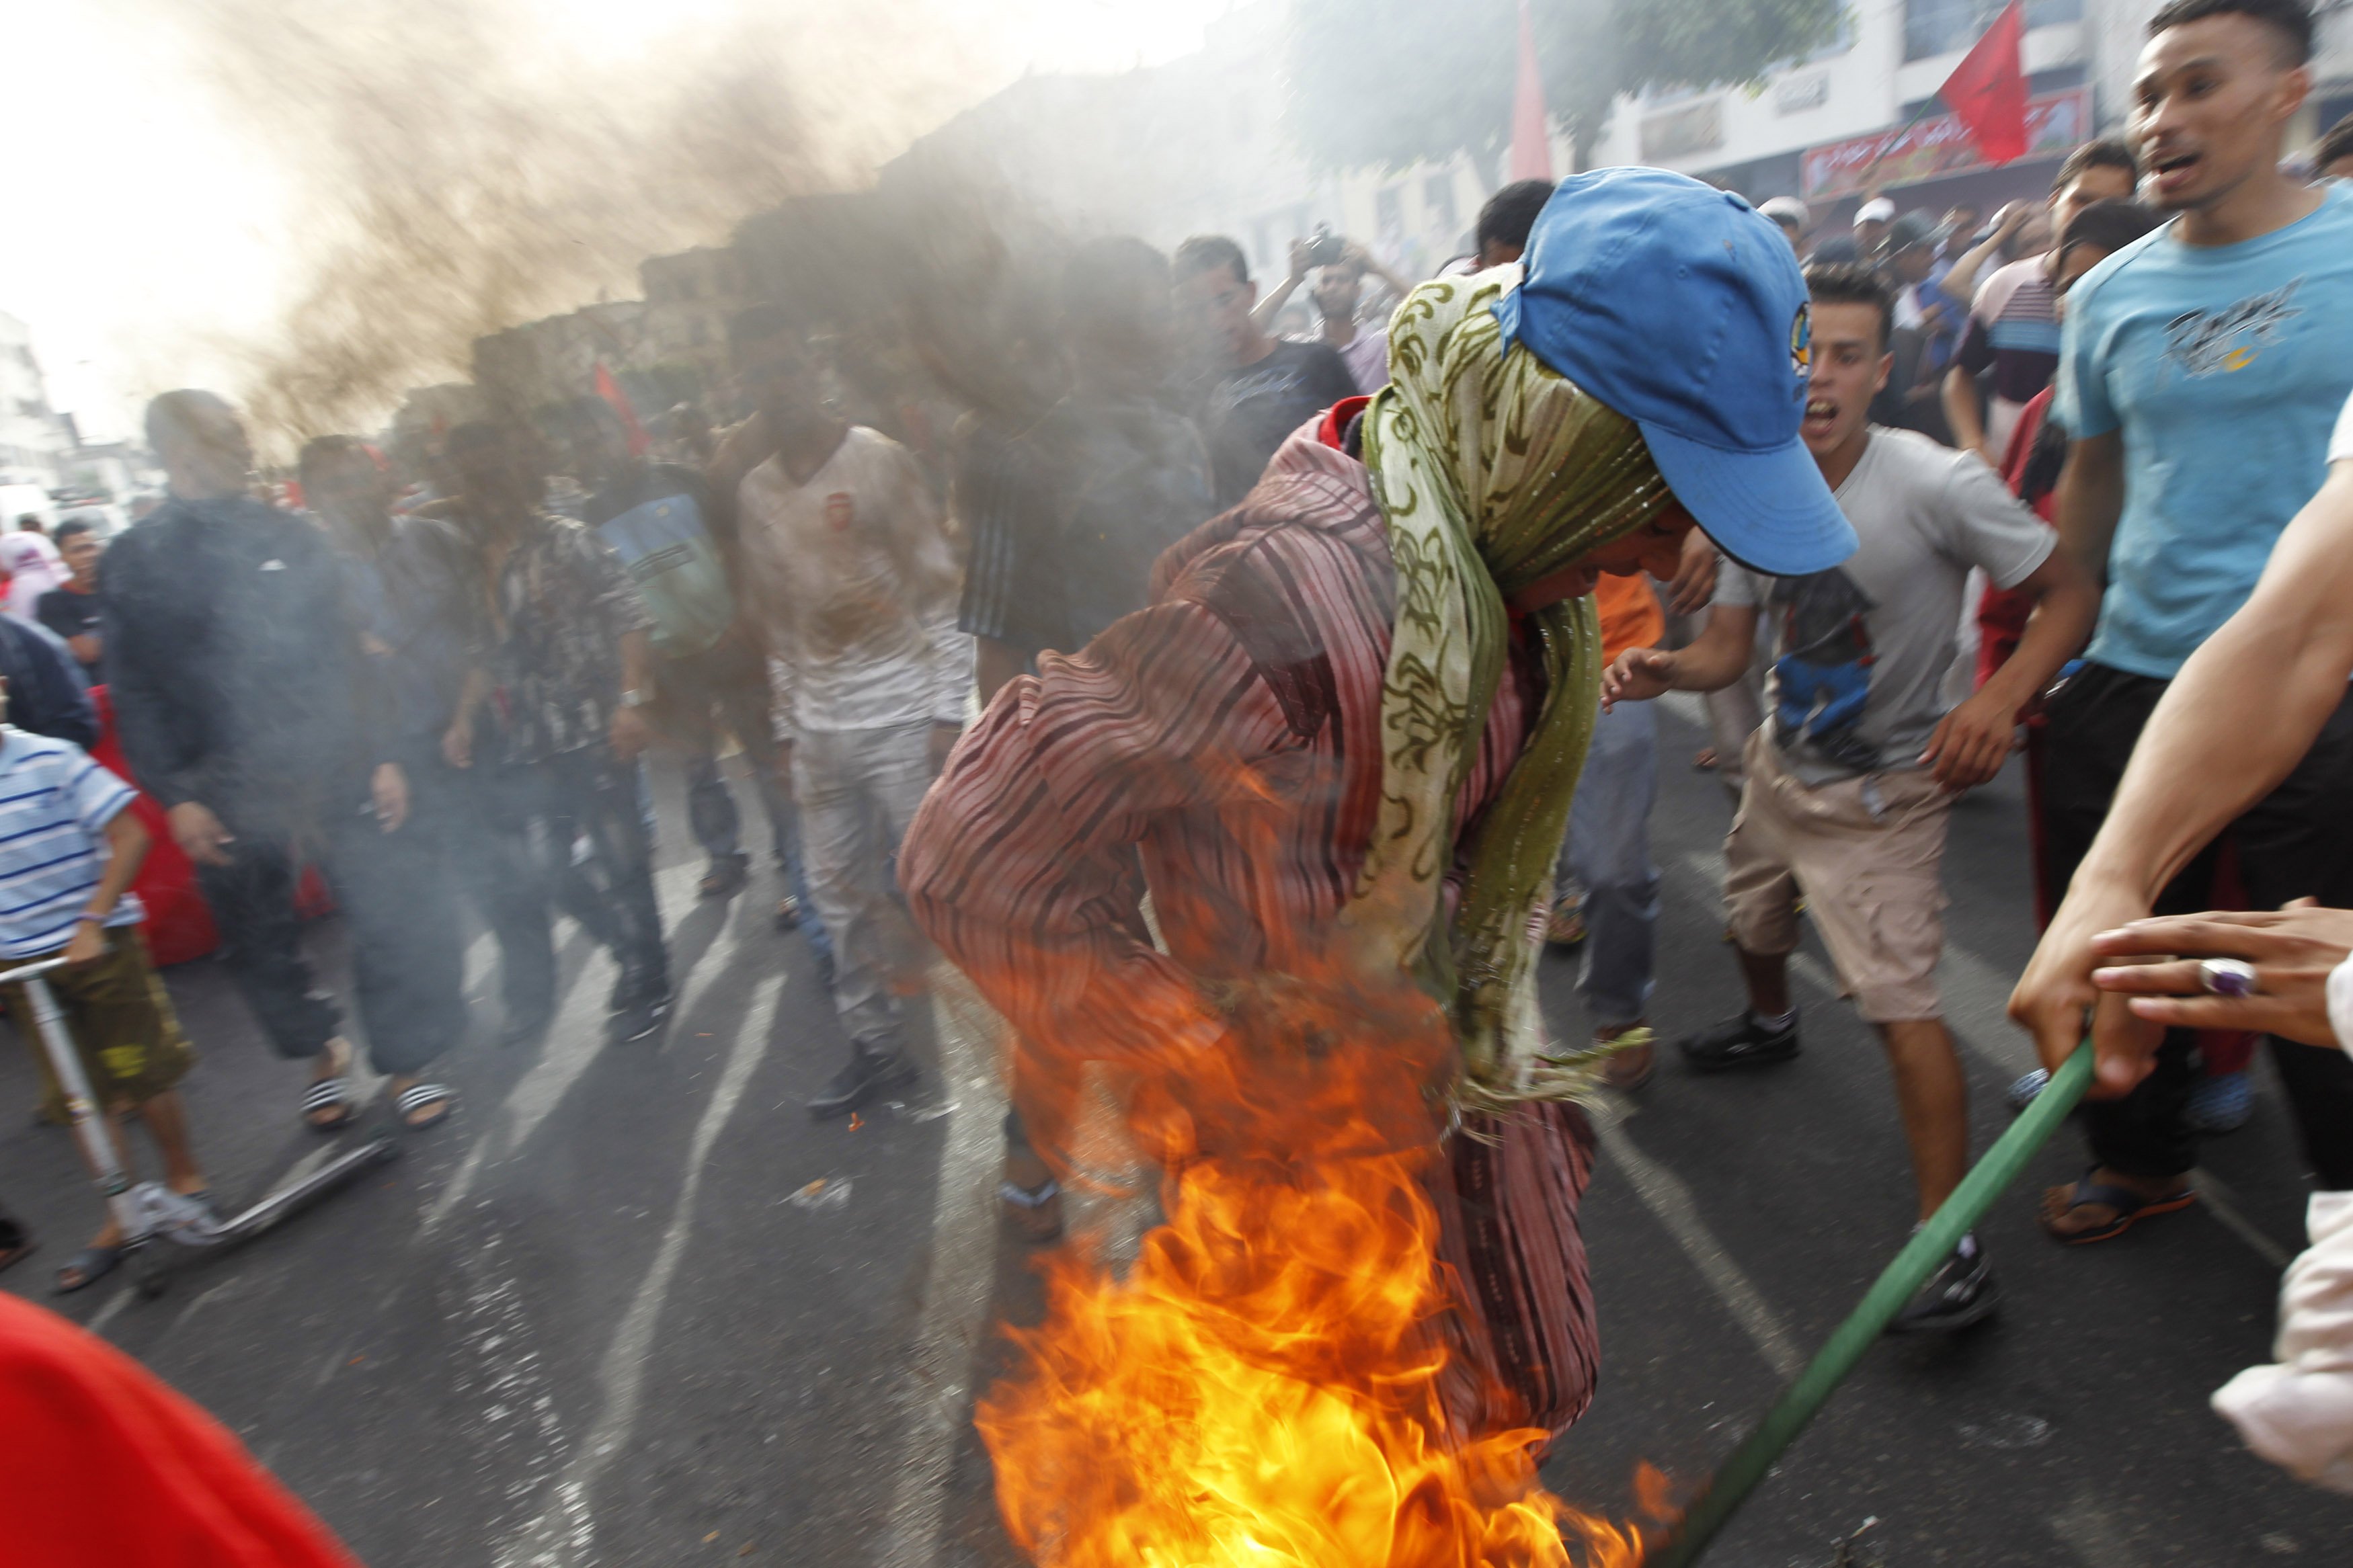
2055	121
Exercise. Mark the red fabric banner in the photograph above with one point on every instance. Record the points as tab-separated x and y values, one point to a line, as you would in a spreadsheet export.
1986	91
1531	157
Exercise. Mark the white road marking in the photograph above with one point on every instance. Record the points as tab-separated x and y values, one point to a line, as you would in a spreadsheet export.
1670	1202
561	1536
106	1314
574	1040
936	1393
2223	1204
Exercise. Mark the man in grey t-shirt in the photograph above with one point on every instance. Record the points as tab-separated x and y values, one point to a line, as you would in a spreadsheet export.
1852	776
1861	650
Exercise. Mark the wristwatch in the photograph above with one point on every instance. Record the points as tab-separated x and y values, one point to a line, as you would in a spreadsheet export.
633	698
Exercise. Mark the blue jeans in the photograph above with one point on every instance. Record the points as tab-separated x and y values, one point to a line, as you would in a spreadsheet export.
730	683
1607	851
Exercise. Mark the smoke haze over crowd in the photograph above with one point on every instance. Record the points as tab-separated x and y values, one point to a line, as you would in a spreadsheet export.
352	191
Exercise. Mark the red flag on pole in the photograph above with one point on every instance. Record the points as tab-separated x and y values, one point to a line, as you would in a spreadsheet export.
610	391
1531	143
1986	91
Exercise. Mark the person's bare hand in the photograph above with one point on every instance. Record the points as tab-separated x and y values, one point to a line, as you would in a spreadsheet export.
2055	998
1695	580
1637	675
1971	742
1302	260
388	790
200	833
88	943
943	740
458	745
2007	221
628	735
2293	950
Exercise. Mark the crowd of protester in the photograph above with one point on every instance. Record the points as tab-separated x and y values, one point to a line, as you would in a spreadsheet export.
2067	438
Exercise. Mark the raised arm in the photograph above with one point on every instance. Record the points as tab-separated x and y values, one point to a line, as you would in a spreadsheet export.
1961	278
1264	313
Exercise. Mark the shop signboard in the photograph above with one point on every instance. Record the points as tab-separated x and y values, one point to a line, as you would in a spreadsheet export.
1937	146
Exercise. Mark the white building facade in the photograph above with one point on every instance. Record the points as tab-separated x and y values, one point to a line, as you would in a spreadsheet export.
35	442
1860	114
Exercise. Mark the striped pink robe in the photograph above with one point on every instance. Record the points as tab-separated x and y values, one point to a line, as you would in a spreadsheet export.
1223	740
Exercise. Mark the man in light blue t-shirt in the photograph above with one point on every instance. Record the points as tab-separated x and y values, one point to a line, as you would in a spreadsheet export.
2201	369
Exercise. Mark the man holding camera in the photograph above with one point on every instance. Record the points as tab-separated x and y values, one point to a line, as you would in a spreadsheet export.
1259	389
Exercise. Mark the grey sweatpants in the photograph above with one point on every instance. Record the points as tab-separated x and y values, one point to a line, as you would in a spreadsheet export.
858	789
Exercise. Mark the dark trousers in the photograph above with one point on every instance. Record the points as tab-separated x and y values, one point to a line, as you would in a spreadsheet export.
492	812
407	961
516	850
594	798
2295	841
728	686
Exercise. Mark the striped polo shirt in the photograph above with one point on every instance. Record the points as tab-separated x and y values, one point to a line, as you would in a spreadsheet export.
54	804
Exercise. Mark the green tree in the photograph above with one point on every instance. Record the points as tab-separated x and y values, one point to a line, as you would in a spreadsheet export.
1392	82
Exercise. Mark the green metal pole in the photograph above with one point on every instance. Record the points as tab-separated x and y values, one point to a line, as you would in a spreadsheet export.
1738	1476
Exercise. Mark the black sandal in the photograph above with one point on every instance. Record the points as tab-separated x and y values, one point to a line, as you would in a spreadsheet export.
92	1263
333	1090
418	1097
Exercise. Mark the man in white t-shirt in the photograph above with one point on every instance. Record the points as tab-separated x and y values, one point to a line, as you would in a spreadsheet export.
855	584
1851	778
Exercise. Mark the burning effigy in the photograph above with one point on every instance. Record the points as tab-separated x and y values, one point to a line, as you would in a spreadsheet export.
1338	751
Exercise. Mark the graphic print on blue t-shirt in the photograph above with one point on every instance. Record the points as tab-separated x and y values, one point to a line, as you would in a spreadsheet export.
1822	684
2208	343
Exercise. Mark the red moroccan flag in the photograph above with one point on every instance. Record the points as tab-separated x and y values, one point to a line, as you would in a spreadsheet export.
1986	91
610	391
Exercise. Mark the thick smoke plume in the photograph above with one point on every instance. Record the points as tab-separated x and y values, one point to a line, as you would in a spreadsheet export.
464	168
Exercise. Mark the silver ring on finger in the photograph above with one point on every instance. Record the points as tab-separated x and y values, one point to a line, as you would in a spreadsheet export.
2227	977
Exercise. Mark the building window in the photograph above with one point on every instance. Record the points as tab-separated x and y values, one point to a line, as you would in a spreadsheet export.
1388	213
1438	200
1941	26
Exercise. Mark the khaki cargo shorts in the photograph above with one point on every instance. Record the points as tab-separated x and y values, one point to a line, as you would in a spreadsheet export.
1867	852
122	1021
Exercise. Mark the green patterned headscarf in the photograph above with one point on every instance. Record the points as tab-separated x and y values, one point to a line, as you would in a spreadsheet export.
1494	473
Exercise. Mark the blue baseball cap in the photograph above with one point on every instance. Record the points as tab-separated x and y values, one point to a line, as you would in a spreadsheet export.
1681	306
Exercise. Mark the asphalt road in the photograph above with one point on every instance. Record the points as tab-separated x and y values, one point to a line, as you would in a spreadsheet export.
588	1323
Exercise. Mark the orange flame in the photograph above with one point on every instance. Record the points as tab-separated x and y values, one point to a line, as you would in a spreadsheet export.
1269	1385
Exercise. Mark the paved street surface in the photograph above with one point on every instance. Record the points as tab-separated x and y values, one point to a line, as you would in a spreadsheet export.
586	1321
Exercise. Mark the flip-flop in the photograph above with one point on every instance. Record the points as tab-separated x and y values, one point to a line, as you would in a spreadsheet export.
329	1091
92	1263
417	1097
2131	1209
